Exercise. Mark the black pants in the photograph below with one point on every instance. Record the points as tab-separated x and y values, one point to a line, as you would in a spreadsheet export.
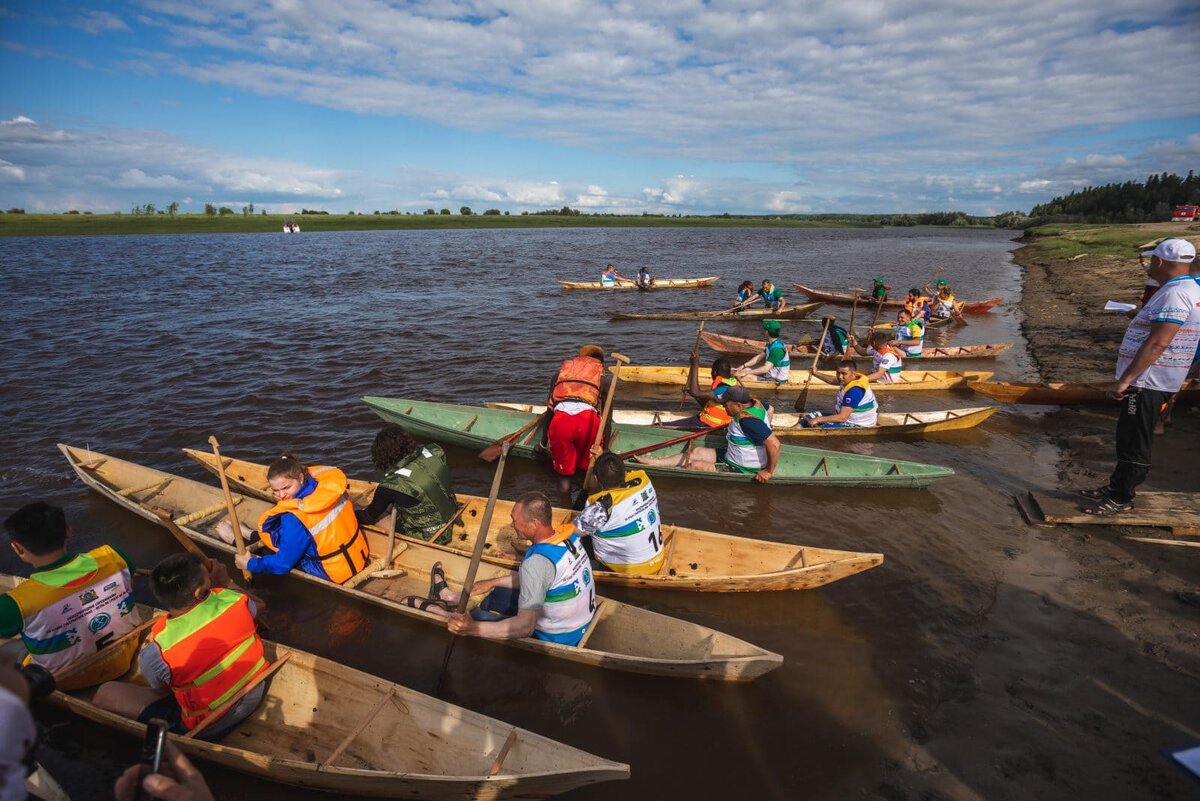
1135	438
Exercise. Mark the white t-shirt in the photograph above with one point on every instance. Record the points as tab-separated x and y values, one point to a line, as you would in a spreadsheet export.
16	738
888	361
1178	301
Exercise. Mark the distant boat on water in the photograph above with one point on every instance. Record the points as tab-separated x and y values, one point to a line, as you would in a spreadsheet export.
291	227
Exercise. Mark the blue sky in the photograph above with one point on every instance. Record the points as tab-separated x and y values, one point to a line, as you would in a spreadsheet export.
676	106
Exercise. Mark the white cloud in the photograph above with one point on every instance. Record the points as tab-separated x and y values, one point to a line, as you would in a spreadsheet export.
10	170
98	22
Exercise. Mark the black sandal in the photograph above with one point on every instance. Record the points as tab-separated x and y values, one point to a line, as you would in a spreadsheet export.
437	581
1099	493
421	604
1109	508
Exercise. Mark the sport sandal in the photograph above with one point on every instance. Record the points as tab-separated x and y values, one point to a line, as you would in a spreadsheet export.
1108	508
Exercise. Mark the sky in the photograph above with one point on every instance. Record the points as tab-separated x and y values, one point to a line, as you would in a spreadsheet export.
675	107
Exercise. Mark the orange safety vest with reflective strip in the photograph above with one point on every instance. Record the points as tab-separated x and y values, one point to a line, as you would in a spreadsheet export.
329	517
578	379
713	413
212	650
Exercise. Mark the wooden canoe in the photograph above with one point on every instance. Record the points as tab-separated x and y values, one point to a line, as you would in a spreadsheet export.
477	427
786	424
701	561
655	283
935	322
864	300
723	343
910	380
623	637
787	313
413	746
1057	393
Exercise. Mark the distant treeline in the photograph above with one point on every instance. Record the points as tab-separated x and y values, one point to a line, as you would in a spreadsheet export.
1130	202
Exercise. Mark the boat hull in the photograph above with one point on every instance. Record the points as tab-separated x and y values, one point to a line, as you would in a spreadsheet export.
910	380
657	283
1062	394
788	313
724	343
847	299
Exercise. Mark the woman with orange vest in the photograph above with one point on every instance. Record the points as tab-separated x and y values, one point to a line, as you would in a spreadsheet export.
712	412
312	525
198	655
575	417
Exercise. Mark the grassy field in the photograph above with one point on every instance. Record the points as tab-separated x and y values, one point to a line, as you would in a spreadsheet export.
1061	241
114	224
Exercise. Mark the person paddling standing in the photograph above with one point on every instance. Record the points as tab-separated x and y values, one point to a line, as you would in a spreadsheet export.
575	419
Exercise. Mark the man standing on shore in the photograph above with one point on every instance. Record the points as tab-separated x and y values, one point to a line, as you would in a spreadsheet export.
1152	363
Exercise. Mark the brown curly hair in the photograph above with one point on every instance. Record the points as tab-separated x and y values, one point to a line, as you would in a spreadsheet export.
392	444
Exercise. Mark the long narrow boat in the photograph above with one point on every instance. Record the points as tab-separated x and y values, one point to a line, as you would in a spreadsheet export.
701	561
1057	393
622	637
476	427
910	380
787	313
864	300
656	283
318	727
723	343
786	424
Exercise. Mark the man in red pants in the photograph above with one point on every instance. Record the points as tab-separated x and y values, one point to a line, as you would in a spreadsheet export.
575	419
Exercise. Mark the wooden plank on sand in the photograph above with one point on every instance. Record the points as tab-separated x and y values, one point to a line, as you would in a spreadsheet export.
1174	510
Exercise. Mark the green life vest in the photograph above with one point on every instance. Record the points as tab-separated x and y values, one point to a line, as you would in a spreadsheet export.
424	475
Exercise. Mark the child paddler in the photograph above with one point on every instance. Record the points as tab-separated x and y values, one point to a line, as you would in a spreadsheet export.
74	604
879	290
204	650
312	525
551	597
910	334
886	364
855	405
774	363
943	304
712	412
744	294
621	526
751	446
416	483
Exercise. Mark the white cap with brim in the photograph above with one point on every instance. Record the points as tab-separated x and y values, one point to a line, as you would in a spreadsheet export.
1174	250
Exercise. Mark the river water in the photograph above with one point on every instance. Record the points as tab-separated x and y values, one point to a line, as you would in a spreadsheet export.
139	346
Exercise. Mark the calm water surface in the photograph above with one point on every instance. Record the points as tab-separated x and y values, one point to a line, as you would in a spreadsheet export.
139	346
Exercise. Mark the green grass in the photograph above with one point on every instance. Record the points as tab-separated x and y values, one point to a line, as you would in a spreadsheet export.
112	224
1059	241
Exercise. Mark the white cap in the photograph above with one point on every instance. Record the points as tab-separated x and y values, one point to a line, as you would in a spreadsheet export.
1176	250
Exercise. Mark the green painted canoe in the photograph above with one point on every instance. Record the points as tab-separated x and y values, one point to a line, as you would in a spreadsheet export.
478	427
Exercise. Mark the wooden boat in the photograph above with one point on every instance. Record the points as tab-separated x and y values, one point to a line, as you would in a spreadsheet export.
864	300
327	726
1057	393
935	322
910	380
786	423
701	561
787	313
477	427
622	637
723	343
655	283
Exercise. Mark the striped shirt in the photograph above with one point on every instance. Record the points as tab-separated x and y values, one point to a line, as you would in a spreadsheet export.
1178	301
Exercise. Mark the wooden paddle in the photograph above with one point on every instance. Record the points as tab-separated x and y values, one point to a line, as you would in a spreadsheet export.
492	451
485	523
853	310
233	518
695	349
802	401
741	305
676	441
612	388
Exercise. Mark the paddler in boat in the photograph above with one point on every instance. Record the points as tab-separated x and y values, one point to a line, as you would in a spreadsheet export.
312	525
416	483
609	277
879	290
910	334
575	403
773	364
855	405
712	412
201	652
917	305
751	446
643	280
551	597
745	296
621	526
771	296
66	589
943	304
886	364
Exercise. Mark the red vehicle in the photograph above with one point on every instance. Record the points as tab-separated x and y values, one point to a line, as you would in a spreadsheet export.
1185	214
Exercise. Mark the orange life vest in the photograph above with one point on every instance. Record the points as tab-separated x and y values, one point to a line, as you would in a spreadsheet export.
916	306
578	379
713	413
212	650
329	517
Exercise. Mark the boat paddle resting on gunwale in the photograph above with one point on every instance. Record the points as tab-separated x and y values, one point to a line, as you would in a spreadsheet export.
865	300
701	561
621	637
330	727
910	380
1059	394
723	343
787	313
478	427
656	283
785	424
